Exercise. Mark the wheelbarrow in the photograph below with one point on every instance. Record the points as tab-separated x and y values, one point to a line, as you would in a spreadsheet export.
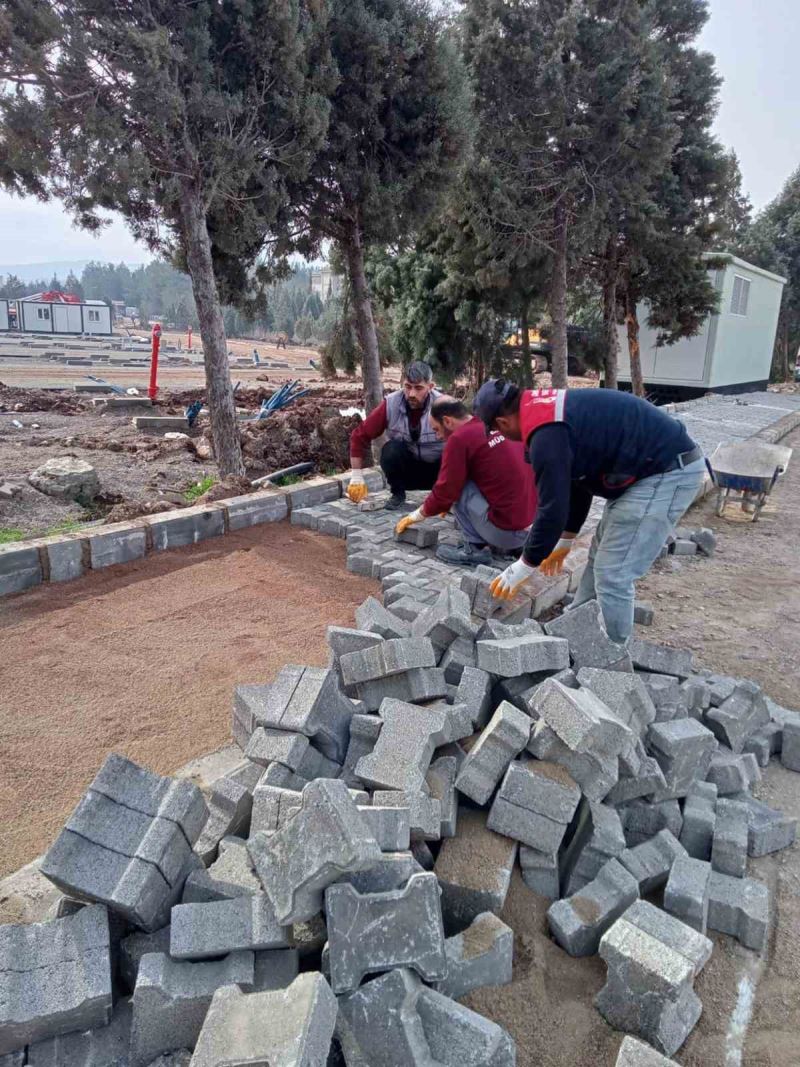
748	467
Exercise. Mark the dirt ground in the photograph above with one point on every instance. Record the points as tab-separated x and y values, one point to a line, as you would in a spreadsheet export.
145	468
142	659
740	614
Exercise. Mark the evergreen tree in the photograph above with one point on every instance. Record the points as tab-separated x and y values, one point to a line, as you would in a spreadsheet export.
773	242
692	202
72	285
397	130
572	104
197	121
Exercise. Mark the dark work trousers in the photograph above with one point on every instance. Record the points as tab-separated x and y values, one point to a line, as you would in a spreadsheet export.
405	470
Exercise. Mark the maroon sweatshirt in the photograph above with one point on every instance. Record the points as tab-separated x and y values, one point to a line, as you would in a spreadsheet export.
496	465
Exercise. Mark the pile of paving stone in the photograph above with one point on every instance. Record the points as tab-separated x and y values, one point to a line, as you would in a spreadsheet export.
337	893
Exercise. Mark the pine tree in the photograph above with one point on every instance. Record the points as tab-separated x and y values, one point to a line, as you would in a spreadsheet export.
398	128
691	201
197	121
773	242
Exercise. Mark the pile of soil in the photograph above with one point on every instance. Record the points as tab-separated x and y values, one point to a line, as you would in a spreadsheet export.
22	400
305	432
175	401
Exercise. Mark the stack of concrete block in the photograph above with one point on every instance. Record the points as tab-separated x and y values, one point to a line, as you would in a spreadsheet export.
54	978
369	834
128	842
579	921
395	1021
234	1031
652	961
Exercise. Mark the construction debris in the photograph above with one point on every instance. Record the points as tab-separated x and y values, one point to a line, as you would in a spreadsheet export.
371	831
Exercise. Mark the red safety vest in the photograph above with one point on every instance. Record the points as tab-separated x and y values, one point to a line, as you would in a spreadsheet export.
538	407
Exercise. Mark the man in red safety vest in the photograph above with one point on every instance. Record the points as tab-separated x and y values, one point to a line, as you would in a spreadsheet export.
584	443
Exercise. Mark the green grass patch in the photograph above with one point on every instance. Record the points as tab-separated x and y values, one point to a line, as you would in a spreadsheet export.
8	535
64	527
288	479
195	491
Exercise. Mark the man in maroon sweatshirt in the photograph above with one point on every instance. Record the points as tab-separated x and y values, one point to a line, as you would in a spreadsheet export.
411	457
482	481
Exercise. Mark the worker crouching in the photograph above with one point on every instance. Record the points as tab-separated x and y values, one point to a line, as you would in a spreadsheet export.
411	457
484	482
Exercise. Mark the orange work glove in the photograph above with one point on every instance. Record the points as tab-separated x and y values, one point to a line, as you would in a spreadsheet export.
408	520
357	488
554	564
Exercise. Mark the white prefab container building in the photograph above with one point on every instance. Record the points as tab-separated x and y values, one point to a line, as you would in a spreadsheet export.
3	315
39	316
732	353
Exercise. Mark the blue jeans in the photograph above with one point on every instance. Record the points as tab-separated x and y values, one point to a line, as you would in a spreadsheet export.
471	512
628	539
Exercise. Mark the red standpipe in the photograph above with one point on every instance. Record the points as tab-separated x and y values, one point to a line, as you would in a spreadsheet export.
151	392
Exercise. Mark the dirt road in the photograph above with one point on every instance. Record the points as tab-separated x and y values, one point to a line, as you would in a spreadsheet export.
142	659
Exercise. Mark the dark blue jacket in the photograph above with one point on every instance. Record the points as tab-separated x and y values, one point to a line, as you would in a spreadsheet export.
607	441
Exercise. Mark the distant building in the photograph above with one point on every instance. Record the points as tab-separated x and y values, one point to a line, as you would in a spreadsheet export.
57	312
325	283
731	353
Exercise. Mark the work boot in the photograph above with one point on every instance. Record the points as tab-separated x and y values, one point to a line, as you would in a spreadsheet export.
396	501
464	554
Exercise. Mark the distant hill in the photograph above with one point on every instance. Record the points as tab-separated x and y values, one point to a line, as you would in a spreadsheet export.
29	272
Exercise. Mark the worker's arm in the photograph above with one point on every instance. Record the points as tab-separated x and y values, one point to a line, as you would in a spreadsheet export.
373	426
551	459
367	431
451	481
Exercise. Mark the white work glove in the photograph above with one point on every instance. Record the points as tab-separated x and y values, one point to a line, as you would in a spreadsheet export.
357	487
505	585
409	520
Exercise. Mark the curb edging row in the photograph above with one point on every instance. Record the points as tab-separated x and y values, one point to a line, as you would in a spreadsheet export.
63	558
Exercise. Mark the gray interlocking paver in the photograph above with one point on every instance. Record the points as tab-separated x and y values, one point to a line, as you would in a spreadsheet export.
325	839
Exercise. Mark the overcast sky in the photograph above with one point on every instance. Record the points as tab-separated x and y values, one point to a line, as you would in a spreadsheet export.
756	46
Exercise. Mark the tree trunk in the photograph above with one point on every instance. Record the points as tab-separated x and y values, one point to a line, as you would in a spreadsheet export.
219	391
558	299
780	371
365	323
525	348
634	349
610	278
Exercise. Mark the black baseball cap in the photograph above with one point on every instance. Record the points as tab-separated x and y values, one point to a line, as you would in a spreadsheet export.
491	398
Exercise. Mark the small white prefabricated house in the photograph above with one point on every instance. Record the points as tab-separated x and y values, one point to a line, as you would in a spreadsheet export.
732	353
4	315
43	316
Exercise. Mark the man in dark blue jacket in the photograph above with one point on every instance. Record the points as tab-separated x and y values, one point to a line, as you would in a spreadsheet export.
584	443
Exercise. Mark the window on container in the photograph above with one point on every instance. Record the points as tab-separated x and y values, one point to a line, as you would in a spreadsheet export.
741	295
43	313
94	316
